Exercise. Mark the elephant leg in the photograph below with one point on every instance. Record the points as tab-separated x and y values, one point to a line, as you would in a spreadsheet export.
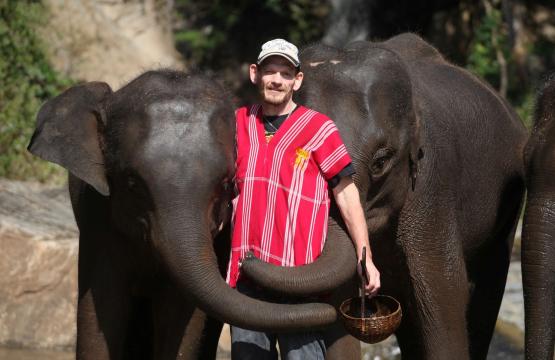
210	338
436	331
488	274
434	326
485	299
409	343
102	316
341	345
181	330
100	329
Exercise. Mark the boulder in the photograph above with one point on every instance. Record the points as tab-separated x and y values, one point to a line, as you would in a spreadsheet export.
38	266
112	40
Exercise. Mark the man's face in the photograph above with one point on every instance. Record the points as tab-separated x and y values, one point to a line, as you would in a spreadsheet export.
276	79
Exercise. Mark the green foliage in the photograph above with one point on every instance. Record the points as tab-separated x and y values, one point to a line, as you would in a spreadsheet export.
525	108
490	36
220	34
308	17
27	81
482	58
523	93
205	26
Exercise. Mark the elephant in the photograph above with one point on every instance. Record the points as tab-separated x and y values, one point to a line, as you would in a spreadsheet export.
150	170
538	231
439	166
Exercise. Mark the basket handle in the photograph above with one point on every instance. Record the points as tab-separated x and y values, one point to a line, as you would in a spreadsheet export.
363	282
364	273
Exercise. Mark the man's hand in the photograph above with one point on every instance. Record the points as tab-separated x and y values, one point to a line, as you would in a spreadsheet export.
347	199
373	275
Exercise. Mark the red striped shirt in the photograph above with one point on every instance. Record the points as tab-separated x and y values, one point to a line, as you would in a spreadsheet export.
282	206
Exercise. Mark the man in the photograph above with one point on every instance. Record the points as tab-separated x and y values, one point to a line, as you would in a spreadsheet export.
288	156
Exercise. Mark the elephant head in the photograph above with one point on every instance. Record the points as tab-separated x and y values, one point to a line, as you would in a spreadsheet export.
366	89
376	118
160	150
538	233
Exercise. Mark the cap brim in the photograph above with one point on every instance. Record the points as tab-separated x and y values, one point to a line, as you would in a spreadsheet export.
290	59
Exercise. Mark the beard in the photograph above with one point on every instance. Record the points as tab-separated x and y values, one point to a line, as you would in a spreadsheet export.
275	96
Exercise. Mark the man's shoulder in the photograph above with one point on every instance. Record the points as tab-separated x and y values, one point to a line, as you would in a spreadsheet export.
316	116
247	110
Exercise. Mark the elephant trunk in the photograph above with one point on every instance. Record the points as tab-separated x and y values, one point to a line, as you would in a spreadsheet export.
189	255
538	275
335	266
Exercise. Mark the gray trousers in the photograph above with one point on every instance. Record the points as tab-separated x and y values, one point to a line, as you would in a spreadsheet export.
249	344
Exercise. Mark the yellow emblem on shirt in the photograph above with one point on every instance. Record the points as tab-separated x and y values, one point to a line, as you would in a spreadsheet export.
302	155
268	137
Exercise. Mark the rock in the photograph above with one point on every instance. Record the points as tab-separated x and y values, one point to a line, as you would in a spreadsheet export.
385	350
224	344
112	40
38	263
225	339
27	354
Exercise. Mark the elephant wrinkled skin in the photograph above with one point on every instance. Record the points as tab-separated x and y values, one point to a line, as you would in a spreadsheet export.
438	156
439	165
538	231
150	169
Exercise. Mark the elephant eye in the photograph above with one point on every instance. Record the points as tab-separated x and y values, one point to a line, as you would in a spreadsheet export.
380	160
132	182
378	164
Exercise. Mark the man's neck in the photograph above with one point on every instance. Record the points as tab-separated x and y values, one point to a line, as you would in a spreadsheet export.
282	109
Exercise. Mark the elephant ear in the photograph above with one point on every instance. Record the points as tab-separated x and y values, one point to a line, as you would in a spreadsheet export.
69	132
416	152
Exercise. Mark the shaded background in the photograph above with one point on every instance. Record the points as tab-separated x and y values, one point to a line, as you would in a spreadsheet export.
46	46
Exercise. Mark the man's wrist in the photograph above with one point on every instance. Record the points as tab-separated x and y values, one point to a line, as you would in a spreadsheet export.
368	252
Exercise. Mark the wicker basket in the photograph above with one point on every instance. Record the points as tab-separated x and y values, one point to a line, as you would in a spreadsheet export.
384	319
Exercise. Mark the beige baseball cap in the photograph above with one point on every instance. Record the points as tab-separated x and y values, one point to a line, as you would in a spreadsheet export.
281	48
